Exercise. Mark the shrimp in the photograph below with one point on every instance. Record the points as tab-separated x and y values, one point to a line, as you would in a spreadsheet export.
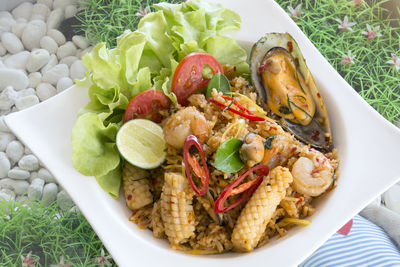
312	173
252	150
183	123
281	148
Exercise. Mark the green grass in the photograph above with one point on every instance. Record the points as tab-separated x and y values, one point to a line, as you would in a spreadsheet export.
48	232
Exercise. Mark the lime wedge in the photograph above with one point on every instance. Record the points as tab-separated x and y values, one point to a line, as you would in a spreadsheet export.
141	142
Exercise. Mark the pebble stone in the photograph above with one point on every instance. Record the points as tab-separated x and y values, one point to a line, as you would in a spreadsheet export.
5	138
40	12
33	176
77	70
7	195
24	11
6	24
29	163
64	201
25	92
20	187
52	62
34	31
68	60
26	102
7	98
64	83
49	193
62	3
45	91
3	50
37	59
70	11
5	165
80	41
19	27
65	50
3	126
49	44
55	18
46	176
48	3
34	79
11	42
15	151
35	190
55	73
15	78
17	61
17	173
57	36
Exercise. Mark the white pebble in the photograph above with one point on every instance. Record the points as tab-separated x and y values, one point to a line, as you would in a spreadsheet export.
52	62
65	50
3	126
33	176
55	18
26	102
37	59
80	41
64	83
17	173
24	10
68	60
70	11
11	42
55	73
17	61
49	44
64	201
57	36
5	165
34	79
6	23
29	163
49	193
48	3
77	70
7	98
26	92
15	78
392	198
7	195
34	31
5	14
18	28
45	91
15	151
61	3
3	50
20	187
35	190
84	52
40	11
46	176
27	150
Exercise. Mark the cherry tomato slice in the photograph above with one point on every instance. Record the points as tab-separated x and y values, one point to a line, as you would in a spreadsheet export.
188	77
146	105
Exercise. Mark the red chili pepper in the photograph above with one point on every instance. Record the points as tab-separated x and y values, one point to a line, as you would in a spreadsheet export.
244	112
191	161
234	189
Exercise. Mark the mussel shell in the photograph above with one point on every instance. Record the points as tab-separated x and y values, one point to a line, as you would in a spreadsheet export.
318	132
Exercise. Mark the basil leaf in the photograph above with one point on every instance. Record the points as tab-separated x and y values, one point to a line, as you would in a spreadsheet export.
268	142
220	83
228	157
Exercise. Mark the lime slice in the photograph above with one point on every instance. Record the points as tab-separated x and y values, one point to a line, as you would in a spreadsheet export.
141	142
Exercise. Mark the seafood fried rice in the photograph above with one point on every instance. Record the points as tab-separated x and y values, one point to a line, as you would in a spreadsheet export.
282	174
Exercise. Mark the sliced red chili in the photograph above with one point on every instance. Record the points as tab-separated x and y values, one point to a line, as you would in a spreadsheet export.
191	162
244	112
234	188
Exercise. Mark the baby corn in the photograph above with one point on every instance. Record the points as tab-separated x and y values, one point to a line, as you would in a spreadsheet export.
136	187
176	208
256	214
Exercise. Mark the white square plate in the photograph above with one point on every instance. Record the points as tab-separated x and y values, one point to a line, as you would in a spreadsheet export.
369	147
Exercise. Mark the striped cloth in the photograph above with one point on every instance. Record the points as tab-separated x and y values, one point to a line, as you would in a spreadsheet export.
365	245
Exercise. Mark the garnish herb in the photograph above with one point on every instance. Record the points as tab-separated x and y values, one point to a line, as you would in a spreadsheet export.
220	83
228	106
294	104
333	178
228	157
268	141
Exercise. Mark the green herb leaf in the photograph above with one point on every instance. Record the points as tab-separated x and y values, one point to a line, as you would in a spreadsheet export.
268	141
228	157
220	83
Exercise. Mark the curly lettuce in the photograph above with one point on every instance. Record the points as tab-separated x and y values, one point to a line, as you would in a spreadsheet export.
143	59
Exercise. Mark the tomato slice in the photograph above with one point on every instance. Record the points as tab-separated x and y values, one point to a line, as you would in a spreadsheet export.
188	77
146	105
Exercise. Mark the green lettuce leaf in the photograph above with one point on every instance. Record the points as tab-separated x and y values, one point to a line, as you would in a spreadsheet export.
143	59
